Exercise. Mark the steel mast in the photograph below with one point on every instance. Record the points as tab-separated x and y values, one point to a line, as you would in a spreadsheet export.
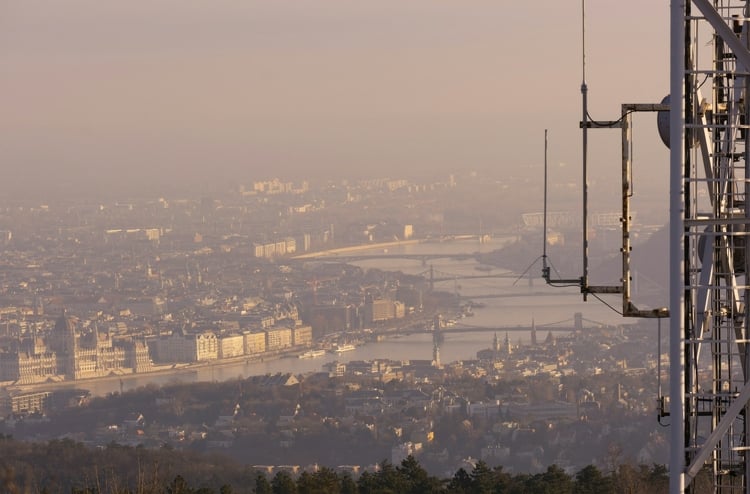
709	185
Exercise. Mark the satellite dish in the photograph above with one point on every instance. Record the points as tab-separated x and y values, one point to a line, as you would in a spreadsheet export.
662	122
662	125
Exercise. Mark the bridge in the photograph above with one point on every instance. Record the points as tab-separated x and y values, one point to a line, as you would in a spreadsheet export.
432	275
504	329
559	293
366	257
576	323
571	325
435	276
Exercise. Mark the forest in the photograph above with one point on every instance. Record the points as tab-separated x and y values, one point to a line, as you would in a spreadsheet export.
66	466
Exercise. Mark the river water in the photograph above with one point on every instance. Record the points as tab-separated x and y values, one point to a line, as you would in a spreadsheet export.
516	302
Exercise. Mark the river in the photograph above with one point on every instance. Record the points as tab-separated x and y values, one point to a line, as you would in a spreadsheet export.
518	302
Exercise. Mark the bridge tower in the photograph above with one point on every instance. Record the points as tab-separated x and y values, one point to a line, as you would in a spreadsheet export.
437	334
706	130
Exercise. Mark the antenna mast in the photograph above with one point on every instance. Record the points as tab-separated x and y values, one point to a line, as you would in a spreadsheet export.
710	265
623	123
545	267
583	280
584	155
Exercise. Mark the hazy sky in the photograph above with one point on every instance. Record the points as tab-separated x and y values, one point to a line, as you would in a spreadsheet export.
102	93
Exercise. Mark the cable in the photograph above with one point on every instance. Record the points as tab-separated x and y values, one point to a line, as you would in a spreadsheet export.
564	285
557	284
557	273
572	285
658	374
526	270
705	78
612	123
603	302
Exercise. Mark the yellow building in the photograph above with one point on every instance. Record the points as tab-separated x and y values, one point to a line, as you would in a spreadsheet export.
302	336
231	345
278	338
255	342
204	346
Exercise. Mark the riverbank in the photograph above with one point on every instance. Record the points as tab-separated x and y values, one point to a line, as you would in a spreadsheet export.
173	371
213	369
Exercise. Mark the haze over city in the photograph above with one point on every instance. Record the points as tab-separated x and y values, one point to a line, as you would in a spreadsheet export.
277	246
189	95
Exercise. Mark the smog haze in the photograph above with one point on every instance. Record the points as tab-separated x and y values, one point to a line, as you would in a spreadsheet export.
187	95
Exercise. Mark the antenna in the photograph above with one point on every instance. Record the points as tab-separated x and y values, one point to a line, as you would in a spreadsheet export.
582	282
545	268
623	123
545	264
584	155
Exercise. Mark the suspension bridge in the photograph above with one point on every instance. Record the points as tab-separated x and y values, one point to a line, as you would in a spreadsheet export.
435	276
577	323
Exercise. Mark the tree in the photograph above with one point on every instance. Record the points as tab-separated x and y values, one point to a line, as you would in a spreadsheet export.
553	481
306	484
283	483
262	485
482	479
389	479
179	486
630	479
659	476
348	485
326	481
591	481
366	483
416	478
461	483
503	481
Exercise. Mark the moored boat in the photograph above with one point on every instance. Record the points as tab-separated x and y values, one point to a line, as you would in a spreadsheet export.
347	347
312	354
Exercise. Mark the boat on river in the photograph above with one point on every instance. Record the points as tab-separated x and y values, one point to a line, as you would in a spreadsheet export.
312	354
347	347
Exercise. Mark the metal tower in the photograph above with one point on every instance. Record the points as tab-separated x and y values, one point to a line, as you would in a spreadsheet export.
709	288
